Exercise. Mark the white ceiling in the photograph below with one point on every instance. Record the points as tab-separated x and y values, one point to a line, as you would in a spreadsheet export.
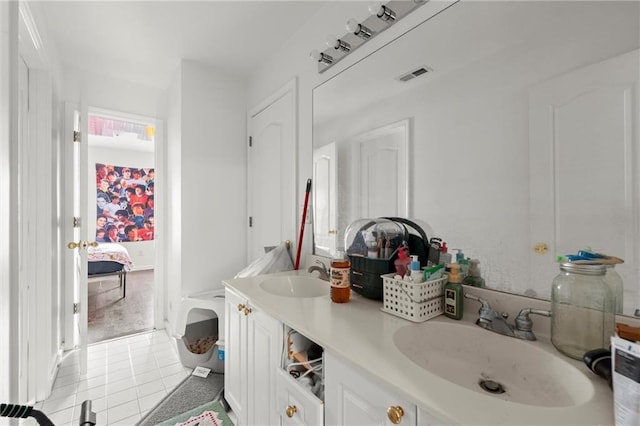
143	41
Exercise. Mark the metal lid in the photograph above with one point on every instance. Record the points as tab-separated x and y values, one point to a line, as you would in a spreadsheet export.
578	268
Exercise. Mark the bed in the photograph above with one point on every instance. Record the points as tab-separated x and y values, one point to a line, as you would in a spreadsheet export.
108	259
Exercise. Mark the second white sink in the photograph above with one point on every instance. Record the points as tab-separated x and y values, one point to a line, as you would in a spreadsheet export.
495	365
295	286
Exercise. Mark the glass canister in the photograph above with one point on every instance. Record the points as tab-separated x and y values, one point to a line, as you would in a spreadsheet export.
582	307
617	287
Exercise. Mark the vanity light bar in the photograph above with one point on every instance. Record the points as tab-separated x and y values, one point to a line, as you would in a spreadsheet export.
392	12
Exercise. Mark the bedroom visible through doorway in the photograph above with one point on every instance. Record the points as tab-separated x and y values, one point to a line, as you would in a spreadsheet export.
121	156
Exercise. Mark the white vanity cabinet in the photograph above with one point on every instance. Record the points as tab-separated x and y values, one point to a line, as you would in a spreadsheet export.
351	398
253	345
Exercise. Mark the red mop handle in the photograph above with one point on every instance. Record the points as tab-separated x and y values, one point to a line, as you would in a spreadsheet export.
304	216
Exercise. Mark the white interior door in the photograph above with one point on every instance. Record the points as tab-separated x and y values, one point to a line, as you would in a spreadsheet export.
383	174
325	199
76	219
272	172
584	141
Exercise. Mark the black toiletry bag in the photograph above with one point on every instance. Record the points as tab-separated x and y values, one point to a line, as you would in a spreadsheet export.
366	273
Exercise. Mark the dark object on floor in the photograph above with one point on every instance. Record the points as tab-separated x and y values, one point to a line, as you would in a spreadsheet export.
87	416
599	361
192	392
22	412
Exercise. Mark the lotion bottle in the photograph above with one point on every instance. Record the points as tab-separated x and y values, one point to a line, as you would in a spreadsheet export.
453	294
416	271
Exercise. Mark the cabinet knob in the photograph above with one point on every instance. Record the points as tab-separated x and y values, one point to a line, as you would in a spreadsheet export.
291	410
246	311
240	306
395	414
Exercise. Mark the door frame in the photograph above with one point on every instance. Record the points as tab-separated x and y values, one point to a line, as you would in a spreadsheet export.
71	321
34	232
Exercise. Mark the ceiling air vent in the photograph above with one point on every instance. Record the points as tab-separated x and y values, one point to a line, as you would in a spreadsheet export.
415	73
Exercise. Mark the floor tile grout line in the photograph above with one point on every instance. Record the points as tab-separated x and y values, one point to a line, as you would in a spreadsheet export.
153	338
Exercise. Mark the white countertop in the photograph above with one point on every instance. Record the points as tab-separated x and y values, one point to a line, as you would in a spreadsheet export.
361	333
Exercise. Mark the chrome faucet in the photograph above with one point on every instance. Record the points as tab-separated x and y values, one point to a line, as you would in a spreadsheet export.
322	270
496	322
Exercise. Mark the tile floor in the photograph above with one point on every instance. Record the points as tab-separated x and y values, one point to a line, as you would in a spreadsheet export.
125	378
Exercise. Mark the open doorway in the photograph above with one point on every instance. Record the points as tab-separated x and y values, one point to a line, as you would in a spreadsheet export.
121	156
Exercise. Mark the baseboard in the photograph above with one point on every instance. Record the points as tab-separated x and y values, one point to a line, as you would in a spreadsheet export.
142	268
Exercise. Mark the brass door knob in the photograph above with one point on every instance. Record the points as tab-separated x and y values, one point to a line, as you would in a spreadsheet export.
82	244
246	311
395	414
240	306
291	410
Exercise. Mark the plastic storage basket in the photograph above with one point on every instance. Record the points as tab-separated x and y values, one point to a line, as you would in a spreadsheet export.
416	302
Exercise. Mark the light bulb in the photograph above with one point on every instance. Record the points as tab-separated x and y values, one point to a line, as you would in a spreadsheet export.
381	11
321	57
336	43
315	55
332	41
353	26
375	8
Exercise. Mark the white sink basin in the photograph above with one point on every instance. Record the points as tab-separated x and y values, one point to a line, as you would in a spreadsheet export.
296	286
467	355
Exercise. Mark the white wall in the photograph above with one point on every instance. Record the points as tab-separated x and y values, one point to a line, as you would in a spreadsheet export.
142	253
213	159
206	137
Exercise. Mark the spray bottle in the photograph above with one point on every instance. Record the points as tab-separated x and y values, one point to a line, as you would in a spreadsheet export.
402	262
445	256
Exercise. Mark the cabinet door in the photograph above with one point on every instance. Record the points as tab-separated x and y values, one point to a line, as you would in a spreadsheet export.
235	372
296	405
351	398
427	419
264	352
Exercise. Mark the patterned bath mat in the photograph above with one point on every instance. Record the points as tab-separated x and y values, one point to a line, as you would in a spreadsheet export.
209	414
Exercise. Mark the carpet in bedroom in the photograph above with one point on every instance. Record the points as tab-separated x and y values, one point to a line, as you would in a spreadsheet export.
110	315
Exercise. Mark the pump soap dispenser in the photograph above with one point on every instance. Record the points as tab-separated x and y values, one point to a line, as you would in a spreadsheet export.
474	278
453	294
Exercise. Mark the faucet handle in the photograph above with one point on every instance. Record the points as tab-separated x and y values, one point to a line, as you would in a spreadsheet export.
524	323
484	303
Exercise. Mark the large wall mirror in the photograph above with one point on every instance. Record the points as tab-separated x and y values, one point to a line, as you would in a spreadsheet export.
522	136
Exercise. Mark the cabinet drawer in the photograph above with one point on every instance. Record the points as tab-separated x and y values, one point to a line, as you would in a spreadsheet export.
297	405
353	398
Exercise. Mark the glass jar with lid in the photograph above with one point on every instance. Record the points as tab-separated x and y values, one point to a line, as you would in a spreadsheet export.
583	309
616	285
